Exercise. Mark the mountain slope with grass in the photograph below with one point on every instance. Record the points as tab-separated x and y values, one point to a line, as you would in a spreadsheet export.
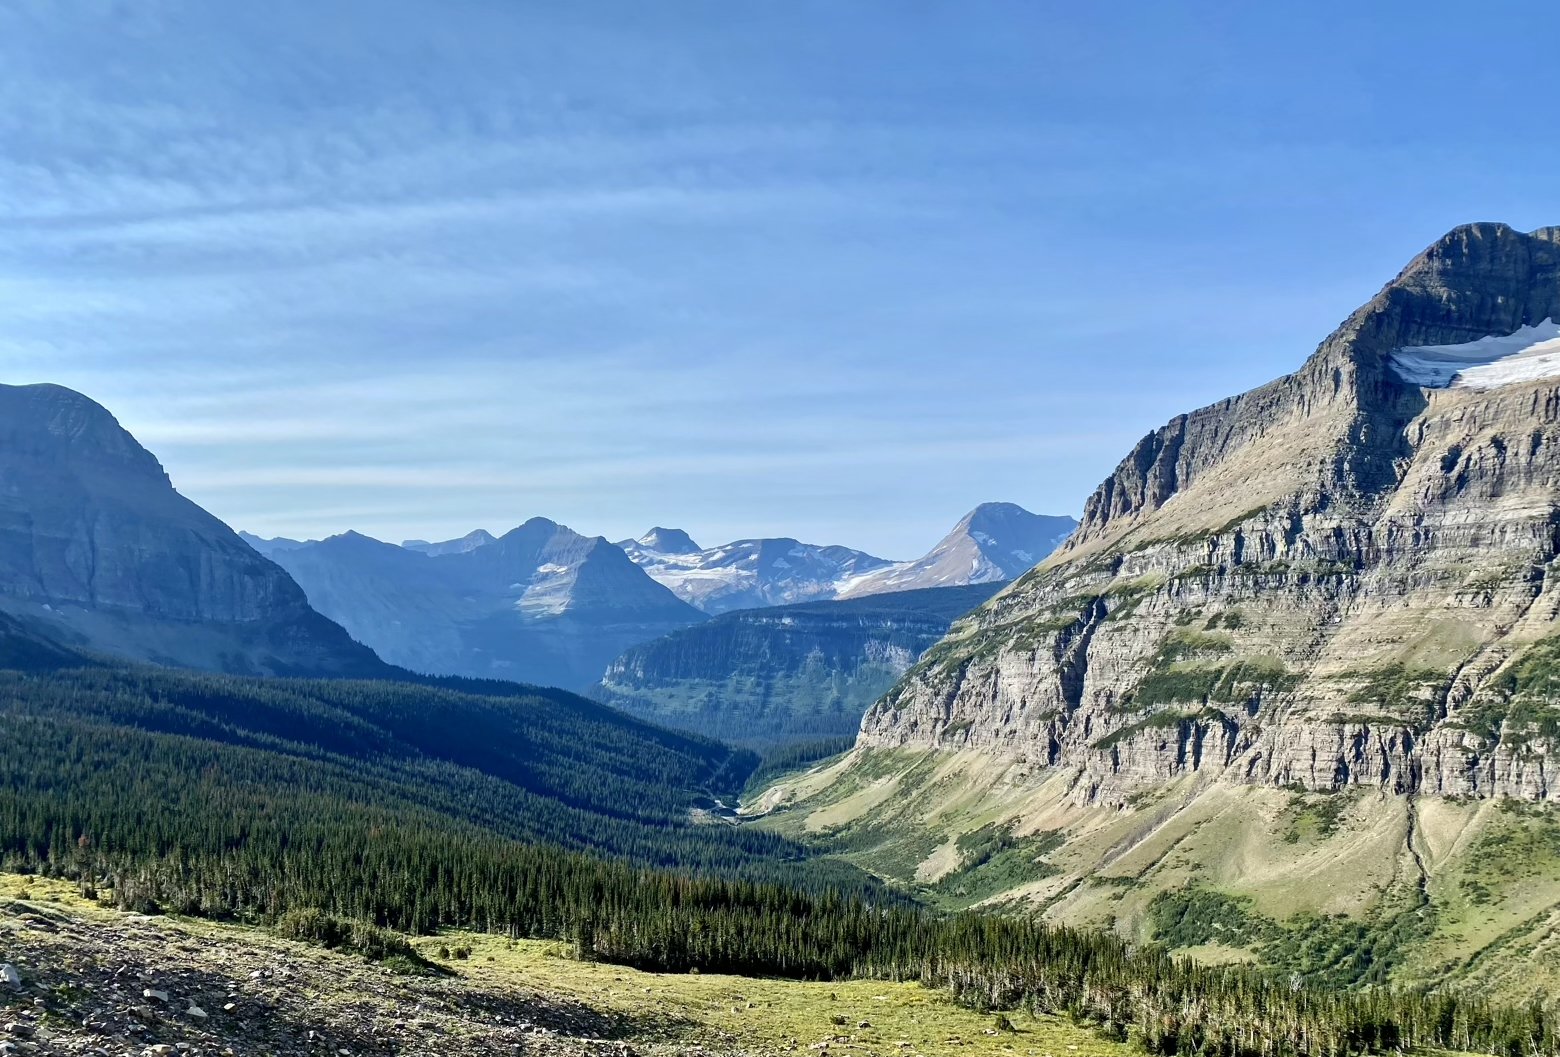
1289	690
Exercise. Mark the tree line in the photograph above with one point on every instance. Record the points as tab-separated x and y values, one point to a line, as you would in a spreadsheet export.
250	799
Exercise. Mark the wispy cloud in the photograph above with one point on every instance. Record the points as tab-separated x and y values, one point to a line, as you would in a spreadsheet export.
814	269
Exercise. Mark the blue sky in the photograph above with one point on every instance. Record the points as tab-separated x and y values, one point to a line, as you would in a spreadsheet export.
831	270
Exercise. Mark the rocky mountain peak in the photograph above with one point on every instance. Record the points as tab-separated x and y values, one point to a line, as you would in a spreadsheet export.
47	420
1336	427
1476	280
668	541
992	543
1339	558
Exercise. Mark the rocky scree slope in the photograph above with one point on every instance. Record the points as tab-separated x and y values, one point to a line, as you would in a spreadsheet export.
1338	579
98	552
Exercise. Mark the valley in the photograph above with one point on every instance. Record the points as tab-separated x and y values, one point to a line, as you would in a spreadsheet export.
763	677
1253	761
751	530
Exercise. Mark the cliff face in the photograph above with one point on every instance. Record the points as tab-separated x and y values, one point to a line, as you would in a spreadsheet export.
99	551
1338	579
785	673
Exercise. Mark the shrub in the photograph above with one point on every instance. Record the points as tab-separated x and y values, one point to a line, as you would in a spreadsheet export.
312	925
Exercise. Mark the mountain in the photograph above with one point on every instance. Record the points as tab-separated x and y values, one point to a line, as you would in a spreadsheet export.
992	543
995	541
271	546
1289	692
540	604
747	573
785	673
661	541
99	553
470	541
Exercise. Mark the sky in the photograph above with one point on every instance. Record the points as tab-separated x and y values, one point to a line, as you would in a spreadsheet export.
837	271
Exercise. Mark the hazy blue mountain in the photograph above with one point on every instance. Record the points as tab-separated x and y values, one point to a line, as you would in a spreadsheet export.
271	546
540	604
470	541
98	552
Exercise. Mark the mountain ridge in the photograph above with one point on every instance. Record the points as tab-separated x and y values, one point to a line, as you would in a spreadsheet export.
98	550
780	674
992	543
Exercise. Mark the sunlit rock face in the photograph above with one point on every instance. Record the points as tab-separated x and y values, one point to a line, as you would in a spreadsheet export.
1342	578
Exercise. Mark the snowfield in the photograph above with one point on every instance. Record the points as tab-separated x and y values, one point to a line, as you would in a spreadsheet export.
1528	355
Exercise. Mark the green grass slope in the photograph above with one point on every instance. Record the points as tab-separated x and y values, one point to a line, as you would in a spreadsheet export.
1344	889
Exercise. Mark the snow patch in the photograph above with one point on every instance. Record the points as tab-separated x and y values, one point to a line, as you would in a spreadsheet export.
1529	354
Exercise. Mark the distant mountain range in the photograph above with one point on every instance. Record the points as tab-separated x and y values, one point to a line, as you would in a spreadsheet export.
545	604
539	604
993	542
99	553
747	573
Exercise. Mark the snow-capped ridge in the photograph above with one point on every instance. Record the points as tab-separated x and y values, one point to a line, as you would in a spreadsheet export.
667	541
992	543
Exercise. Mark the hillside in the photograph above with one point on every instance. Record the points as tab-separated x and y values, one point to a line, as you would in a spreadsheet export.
1296	662
259	992
98	551
765	676
456	762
